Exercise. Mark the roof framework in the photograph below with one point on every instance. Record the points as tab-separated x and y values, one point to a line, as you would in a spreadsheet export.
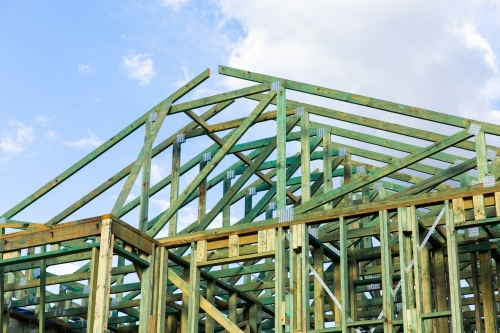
368	234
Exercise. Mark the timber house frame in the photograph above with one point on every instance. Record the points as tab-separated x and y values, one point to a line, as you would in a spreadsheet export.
359	234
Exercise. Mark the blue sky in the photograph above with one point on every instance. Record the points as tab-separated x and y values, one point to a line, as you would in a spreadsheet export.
72	74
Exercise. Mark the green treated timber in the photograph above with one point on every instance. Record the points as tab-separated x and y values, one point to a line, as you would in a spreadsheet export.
125	171
50	262
255	256
407	178
289	172
478	223
382	142
241	194
396	166
365	323
456	322
83	309
281	150
380	157
398	108
289	160
238	170
438	314
242	270
70	296
344	276
220	98
373	123
122	320
237	186
239	155
146	178
100	150
146	149
46	255
269	115
230	289
213	182
359	210
438	178
236	135
327	330
327	251
141	159
130	256
261	205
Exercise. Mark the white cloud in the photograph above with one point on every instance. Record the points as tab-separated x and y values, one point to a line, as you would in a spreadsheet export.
52	135
161	203
494	116
130	197
139	67
377	49
174	4
158	172
42	119
84	69
474	40
186	77
91	141
187	215
16	138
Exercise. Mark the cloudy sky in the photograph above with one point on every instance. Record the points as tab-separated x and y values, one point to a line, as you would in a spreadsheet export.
72	74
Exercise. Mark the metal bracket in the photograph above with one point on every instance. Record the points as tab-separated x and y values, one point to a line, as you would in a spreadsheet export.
181	138
489	181
275	86
299	111
153	116
491	154
207	157
473	232
285	215
474	129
